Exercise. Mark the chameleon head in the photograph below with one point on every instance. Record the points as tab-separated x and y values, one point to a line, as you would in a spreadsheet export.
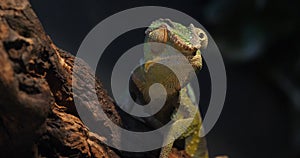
189	40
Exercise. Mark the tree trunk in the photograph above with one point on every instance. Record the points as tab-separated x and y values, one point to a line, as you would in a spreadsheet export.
38	117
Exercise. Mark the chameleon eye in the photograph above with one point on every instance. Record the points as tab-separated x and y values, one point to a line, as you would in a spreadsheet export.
201	35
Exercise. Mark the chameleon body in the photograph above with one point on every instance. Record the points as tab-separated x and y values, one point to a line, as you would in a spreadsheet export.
188	41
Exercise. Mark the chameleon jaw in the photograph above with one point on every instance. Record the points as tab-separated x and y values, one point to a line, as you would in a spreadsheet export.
181	45
163	35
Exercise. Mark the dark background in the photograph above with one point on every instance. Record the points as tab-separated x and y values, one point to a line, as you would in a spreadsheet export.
259	43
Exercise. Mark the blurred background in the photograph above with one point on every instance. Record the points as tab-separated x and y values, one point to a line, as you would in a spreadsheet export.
259	43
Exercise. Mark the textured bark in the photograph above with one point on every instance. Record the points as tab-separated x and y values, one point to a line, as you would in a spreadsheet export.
38	117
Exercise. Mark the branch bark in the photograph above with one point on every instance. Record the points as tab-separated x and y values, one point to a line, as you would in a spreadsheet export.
38	117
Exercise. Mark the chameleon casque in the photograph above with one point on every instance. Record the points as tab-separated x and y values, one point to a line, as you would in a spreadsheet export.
188	41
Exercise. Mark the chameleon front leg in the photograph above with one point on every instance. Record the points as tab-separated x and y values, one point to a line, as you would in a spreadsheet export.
173	131
195	146
166	150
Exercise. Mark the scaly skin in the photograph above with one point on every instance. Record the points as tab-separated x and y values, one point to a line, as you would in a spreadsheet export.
187	40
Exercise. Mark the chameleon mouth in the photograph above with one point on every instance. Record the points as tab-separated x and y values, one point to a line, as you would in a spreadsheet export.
181	45
163	35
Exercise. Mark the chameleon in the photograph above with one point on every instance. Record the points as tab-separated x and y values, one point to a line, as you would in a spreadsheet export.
188	40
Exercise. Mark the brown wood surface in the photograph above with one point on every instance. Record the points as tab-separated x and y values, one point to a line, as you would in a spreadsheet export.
38	117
